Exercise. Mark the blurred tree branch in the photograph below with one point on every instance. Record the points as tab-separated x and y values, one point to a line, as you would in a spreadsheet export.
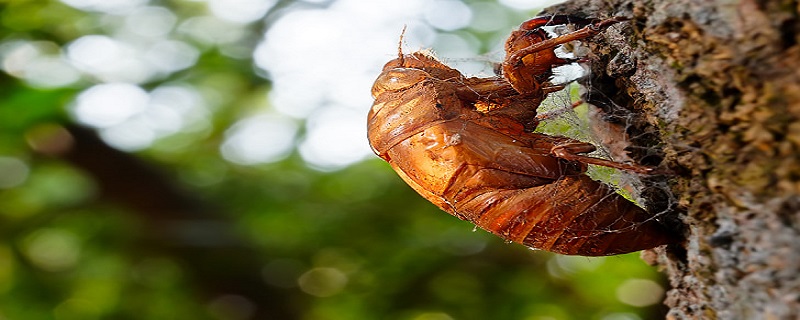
187	228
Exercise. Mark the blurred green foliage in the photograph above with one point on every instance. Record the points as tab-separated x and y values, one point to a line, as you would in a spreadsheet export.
277	240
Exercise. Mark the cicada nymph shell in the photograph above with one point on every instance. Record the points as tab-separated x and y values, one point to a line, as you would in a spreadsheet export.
466	144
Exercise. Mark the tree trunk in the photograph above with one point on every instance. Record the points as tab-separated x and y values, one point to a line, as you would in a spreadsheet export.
714	90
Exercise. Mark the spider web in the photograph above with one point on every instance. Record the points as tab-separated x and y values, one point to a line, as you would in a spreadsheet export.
586	123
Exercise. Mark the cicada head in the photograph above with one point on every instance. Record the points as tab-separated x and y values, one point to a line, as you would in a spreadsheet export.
397	79
411	92
426	61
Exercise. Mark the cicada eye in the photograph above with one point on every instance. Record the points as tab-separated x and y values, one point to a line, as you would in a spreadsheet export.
397	79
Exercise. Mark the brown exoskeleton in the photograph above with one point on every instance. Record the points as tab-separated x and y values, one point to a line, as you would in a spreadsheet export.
468	146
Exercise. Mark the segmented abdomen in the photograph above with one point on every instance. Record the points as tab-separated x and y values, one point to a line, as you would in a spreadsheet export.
522	194
572	215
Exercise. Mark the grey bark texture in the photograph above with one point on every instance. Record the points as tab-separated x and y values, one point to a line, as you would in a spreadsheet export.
710	89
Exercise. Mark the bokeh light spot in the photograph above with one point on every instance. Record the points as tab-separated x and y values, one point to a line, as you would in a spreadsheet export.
150	21
562	266
132	135
259	139
211	30
168	56
38	62
240	11
108	59
105	105
13	172
335	138
488	17
640	292
131	119
322	282
448	15
52	249
114	60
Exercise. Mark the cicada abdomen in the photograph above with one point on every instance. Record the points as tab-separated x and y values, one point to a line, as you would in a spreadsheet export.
573	215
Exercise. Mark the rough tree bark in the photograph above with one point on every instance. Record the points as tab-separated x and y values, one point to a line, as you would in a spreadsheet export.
716	85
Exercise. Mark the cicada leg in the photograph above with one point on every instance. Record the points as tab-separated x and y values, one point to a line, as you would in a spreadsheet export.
529	51
558	112
554	20
571	152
